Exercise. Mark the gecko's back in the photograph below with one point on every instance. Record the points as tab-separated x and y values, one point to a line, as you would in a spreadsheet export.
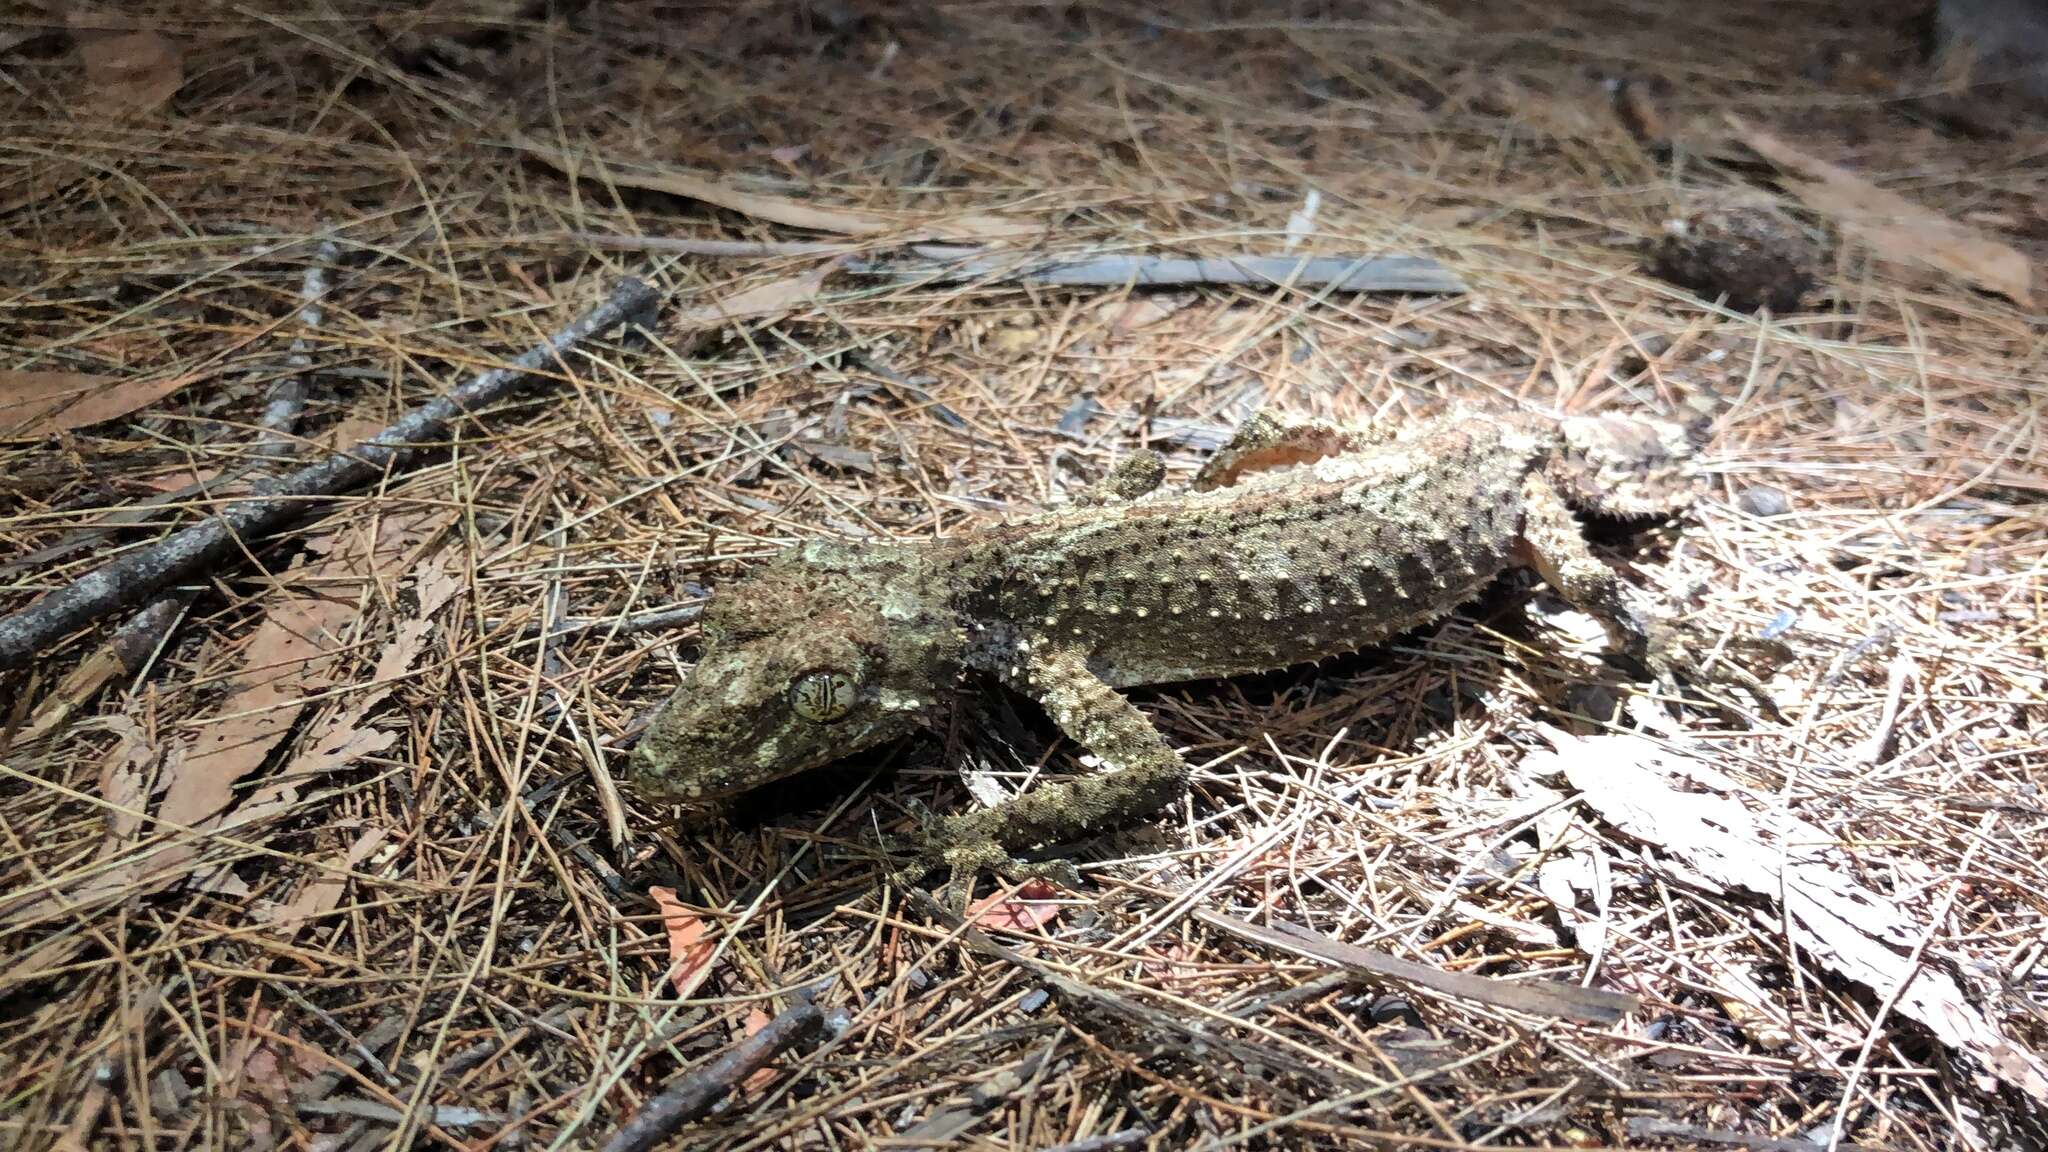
1282	567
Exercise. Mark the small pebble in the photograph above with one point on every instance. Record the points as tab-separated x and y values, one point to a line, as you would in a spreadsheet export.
1763	500
1393	1009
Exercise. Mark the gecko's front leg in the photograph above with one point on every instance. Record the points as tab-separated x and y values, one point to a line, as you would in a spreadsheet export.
1143	772
1553	544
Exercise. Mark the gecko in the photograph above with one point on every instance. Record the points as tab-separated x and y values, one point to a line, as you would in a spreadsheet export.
1297	541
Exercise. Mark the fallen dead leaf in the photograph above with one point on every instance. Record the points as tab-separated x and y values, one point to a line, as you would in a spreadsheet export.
288	659
287	662
1013	340
1030	908
351	431
782	209
131	71
322	893
344	737
252	1068
1718	836
1894	227
689	952
34	404
1135	312
127	776
1174	960
775	298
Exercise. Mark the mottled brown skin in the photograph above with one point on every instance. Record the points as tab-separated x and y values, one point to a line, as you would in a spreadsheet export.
1299	541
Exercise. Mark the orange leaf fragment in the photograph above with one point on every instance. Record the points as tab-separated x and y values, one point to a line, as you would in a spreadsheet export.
1895	227
971	226
1030	908
757	1019
689	952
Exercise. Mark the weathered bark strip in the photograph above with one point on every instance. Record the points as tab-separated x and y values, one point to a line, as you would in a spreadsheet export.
960	264
142	574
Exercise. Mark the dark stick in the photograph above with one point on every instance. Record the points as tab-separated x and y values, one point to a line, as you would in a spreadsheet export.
694	1094
140	575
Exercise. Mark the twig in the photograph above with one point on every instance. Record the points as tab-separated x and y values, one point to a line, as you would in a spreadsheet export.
127	652
288	396
1539	997
1105	1014
362	1050
440	1115
129	515
1654	1126
693	1095
139	576
550	1022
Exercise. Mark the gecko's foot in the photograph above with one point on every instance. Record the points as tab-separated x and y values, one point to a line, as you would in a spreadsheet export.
964	858
964	862
1683	654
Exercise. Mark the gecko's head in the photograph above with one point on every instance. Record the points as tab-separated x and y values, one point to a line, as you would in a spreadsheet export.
826	650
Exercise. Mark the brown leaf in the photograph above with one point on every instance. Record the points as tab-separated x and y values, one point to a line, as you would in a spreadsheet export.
286	661
341	738
36	404
127	776
689	952
783	210
283	668
772	299
1894	227
132	71
322	893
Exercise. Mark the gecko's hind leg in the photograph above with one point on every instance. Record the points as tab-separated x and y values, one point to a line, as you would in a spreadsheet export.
1553	544
1144	775
1267	441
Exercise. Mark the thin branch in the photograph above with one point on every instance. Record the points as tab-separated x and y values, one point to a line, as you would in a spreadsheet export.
140	575
288	396
693	1095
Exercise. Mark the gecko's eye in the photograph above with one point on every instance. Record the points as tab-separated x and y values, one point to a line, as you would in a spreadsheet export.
822	695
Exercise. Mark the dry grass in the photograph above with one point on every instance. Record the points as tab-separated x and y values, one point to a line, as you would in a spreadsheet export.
492	946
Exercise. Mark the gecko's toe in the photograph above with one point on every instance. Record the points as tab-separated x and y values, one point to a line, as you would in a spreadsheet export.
964	861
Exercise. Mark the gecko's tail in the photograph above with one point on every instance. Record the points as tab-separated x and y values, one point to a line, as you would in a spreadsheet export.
1628	466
